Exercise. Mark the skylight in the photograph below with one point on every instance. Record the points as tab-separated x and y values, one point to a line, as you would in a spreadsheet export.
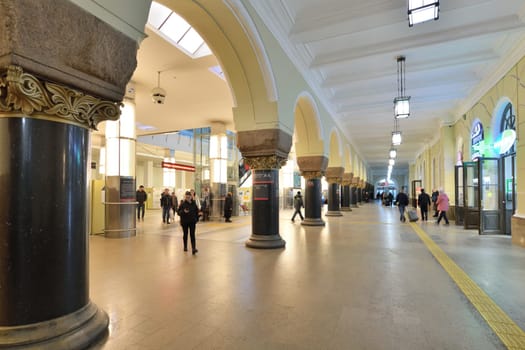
177	31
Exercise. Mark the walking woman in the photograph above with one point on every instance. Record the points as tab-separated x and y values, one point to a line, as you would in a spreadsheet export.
442	206
188	213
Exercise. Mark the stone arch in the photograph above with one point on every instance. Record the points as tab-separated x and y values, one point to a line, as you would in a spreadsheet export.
335	158
308	127
242	57
503	116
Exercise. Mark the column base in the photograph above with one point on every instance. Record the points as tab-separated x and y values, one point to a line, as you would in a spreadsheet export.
313	222
77	330
346	209
265	241
333	213
127	233
354	206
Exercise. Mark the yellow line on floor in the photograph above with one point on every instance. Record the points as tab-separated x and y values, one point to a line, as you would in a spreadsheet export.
505	328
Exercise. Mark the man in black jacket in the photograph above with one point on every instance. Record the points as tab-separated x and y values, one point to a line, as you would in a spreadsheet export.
402	202
188	213
423	200
141	198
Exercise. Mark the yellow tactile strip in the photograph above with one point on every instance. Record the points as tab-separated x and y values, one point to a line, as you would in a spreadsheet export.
505	328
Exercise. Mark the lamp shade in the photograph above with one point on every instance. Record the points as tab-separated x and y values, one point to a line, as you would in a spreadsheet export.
393	153
396	138
402	107
420	11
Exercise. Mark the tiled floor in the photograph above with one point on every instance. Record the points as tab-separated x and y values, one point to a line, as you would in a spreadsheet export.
365	281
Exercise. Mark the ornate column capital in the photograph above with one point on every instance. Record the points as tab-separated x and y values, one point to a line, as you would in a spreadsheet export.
21	92
334	174
355	181
310	175
347	179
265	162
312	163
264	143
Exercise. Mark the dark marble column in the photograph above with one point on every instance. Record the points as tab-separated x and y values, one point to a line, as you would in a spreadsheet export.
313	204
334	177
312	169
43	217
56	83
345	203
354	193
265	151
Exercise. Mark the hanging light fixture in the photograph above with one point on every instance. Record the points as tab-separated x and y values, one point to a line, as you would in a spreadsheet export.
391	162
401	102
396	134
393	153
420	11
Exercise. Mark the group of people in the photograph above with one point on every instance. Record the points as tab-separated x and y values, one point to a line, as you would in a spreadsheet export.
439	199
190	210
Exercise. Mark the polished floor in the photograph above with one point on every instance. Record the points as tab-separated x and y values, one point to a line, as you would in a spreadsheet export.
364	281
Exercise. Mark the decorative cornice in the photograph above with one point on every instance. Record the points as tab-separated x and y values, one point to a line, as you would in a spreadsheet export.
23	92
266	162
311	175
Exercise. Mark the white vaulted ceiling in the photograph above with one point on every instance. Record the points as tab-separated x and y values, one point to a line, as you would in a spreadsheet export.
347	50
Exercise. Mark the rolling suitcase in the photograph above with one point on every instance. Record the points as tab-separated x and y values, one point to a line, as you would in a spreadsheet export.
412	215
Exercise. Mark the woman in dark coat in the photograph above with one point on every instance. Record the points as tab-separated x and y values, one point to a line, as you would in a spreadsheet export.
188	213
228	207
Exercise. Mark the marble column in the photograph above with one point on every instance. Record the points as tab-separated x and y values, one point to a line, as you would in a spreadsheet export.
360	192
347	181
265	151
312	169
334	177
354	193
56	84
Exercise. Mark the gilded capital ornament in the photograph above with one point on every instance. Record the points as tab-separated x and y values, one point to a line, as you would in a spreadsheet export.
266	162
310	175
334	179
23	92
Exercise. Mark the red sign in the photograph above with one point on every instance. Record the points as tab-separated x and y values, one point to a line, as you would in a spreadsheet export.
176	166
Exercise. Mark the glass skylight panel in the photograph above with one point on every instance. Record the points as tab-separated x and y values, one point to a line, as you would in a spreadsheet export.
157	14
204	50
175	27
191	41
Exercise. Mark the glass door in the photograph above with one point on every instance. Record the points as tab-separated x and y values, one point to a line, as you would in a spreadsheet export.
490	214
508	191
416	189
470	195
458	209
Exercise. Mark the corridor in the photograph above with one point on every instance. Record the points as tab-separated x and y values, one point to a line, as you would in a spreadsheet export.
365	281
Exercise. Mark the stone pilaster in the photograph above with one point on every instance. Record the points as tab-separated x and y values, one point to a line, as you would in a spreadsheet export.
265	151
334	177
518	230
56	84
312	169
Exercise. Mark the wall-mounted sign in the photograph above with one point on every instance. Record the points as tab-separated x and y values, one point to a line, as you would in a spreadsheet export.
127	189
506	141
477	140
176	166
506	132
